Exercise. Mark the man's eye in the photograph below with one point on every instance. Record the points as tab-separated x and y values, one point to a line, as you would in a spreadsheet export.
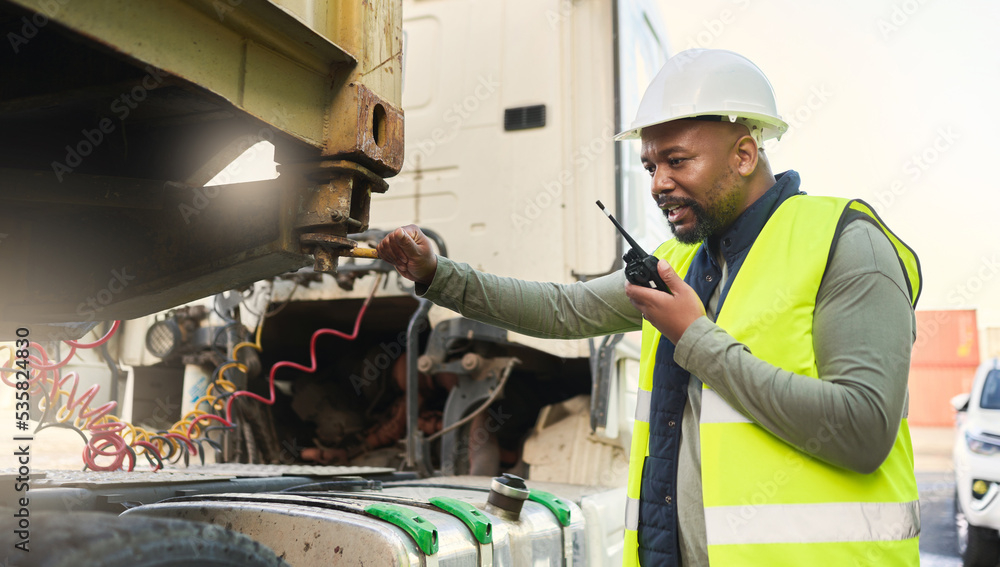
674	162
651	170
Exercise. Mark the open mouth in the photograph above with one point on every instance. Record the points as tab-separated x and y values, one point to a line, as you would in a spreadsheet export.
675	212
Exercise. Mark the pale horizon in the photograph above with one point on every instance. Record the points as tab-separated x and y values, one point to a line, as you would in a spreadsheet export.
885	101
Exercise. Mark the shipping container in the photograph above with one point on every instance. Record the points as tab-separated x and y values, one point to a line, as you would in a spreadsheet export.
944	359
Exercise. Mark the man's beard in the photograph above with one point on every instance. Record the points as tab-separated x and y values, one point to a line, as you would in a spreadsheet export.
723	208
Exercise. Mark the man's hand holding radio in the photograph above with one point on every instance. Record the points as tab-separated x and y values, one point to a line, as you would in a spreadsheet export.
670	313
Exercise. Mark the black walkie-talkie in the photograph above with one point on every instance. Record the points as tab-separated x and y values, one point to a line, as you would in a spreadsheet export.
640	268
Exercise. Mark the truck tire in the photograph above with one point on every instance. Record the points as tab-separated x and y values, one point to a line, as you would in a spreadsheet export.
979	547
87	539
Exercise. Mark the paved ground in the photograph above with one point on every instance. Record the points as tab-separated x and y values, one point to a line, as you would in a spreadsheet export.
935	479
937	538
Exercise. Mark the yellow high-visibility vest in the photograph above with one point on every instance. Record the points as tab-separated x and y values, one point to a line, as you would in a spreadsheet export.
767	503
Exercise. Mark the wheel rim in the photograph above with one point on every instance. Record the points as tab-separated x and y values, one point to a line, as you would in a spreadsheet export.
961	528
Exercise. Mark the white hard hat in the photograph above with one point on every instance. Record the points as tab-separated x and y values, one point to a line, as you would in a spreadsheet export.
710	82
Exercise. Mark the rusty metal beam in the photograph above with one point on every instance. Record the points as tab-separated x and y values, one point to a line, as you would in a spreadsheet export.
41	187
267	63
254	55
336	204
95	242
95	247
90	261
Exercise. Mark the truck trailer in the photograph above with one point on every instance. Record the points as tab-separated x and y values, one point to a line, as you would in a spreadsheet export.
250	384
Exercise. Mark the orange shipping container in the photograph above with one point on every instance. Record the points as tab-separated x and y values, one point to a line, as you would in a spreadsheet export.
943	363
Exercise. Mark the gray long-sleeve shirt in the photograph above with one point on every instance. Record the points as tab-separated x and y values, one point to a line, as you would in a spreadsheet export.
863	329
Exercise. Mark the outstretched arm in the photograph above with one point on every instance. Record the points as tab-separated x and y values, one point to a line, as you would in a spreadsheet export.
409	251
547	310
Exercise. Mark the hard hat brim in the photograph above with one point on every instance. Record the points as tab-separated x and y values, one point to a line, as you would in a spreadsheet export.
773	127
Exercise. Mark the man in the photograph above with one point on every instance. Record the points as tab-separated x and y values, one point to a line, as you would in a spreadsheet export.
770	424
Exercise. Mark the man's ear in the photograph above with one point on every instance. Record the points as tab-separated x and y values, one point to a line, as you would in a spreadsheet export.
746	155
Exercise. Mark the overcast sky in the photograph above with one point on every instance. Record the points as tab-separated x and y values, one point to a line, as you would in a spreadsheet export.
891	102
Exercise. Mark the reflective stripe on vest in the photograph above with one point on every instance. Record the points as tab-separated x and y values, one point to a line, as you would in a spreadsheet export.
815	523
766	502
715	410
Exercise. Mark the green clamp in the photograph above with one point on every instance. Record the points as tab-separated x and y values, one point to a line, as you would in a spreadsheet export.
477	522
553	503
422	531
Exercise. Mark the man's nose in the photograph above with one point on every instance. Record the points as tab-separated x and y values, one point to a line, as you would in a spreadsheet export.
662	183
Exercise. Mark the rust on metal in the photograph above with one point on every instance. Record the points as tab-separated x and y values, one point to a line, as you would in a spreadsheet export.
328	240
334	203
372	135
124	110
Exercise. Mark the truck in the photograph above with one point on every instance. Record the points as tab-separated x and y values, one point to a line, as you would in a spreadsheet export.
250	384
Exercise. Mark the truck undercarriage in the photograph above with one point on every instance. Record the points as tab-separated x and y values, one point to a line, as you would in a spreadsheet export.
246	383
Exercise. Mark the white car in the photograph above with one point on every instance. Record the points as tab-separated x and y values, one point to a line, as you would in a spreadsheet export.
977	468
